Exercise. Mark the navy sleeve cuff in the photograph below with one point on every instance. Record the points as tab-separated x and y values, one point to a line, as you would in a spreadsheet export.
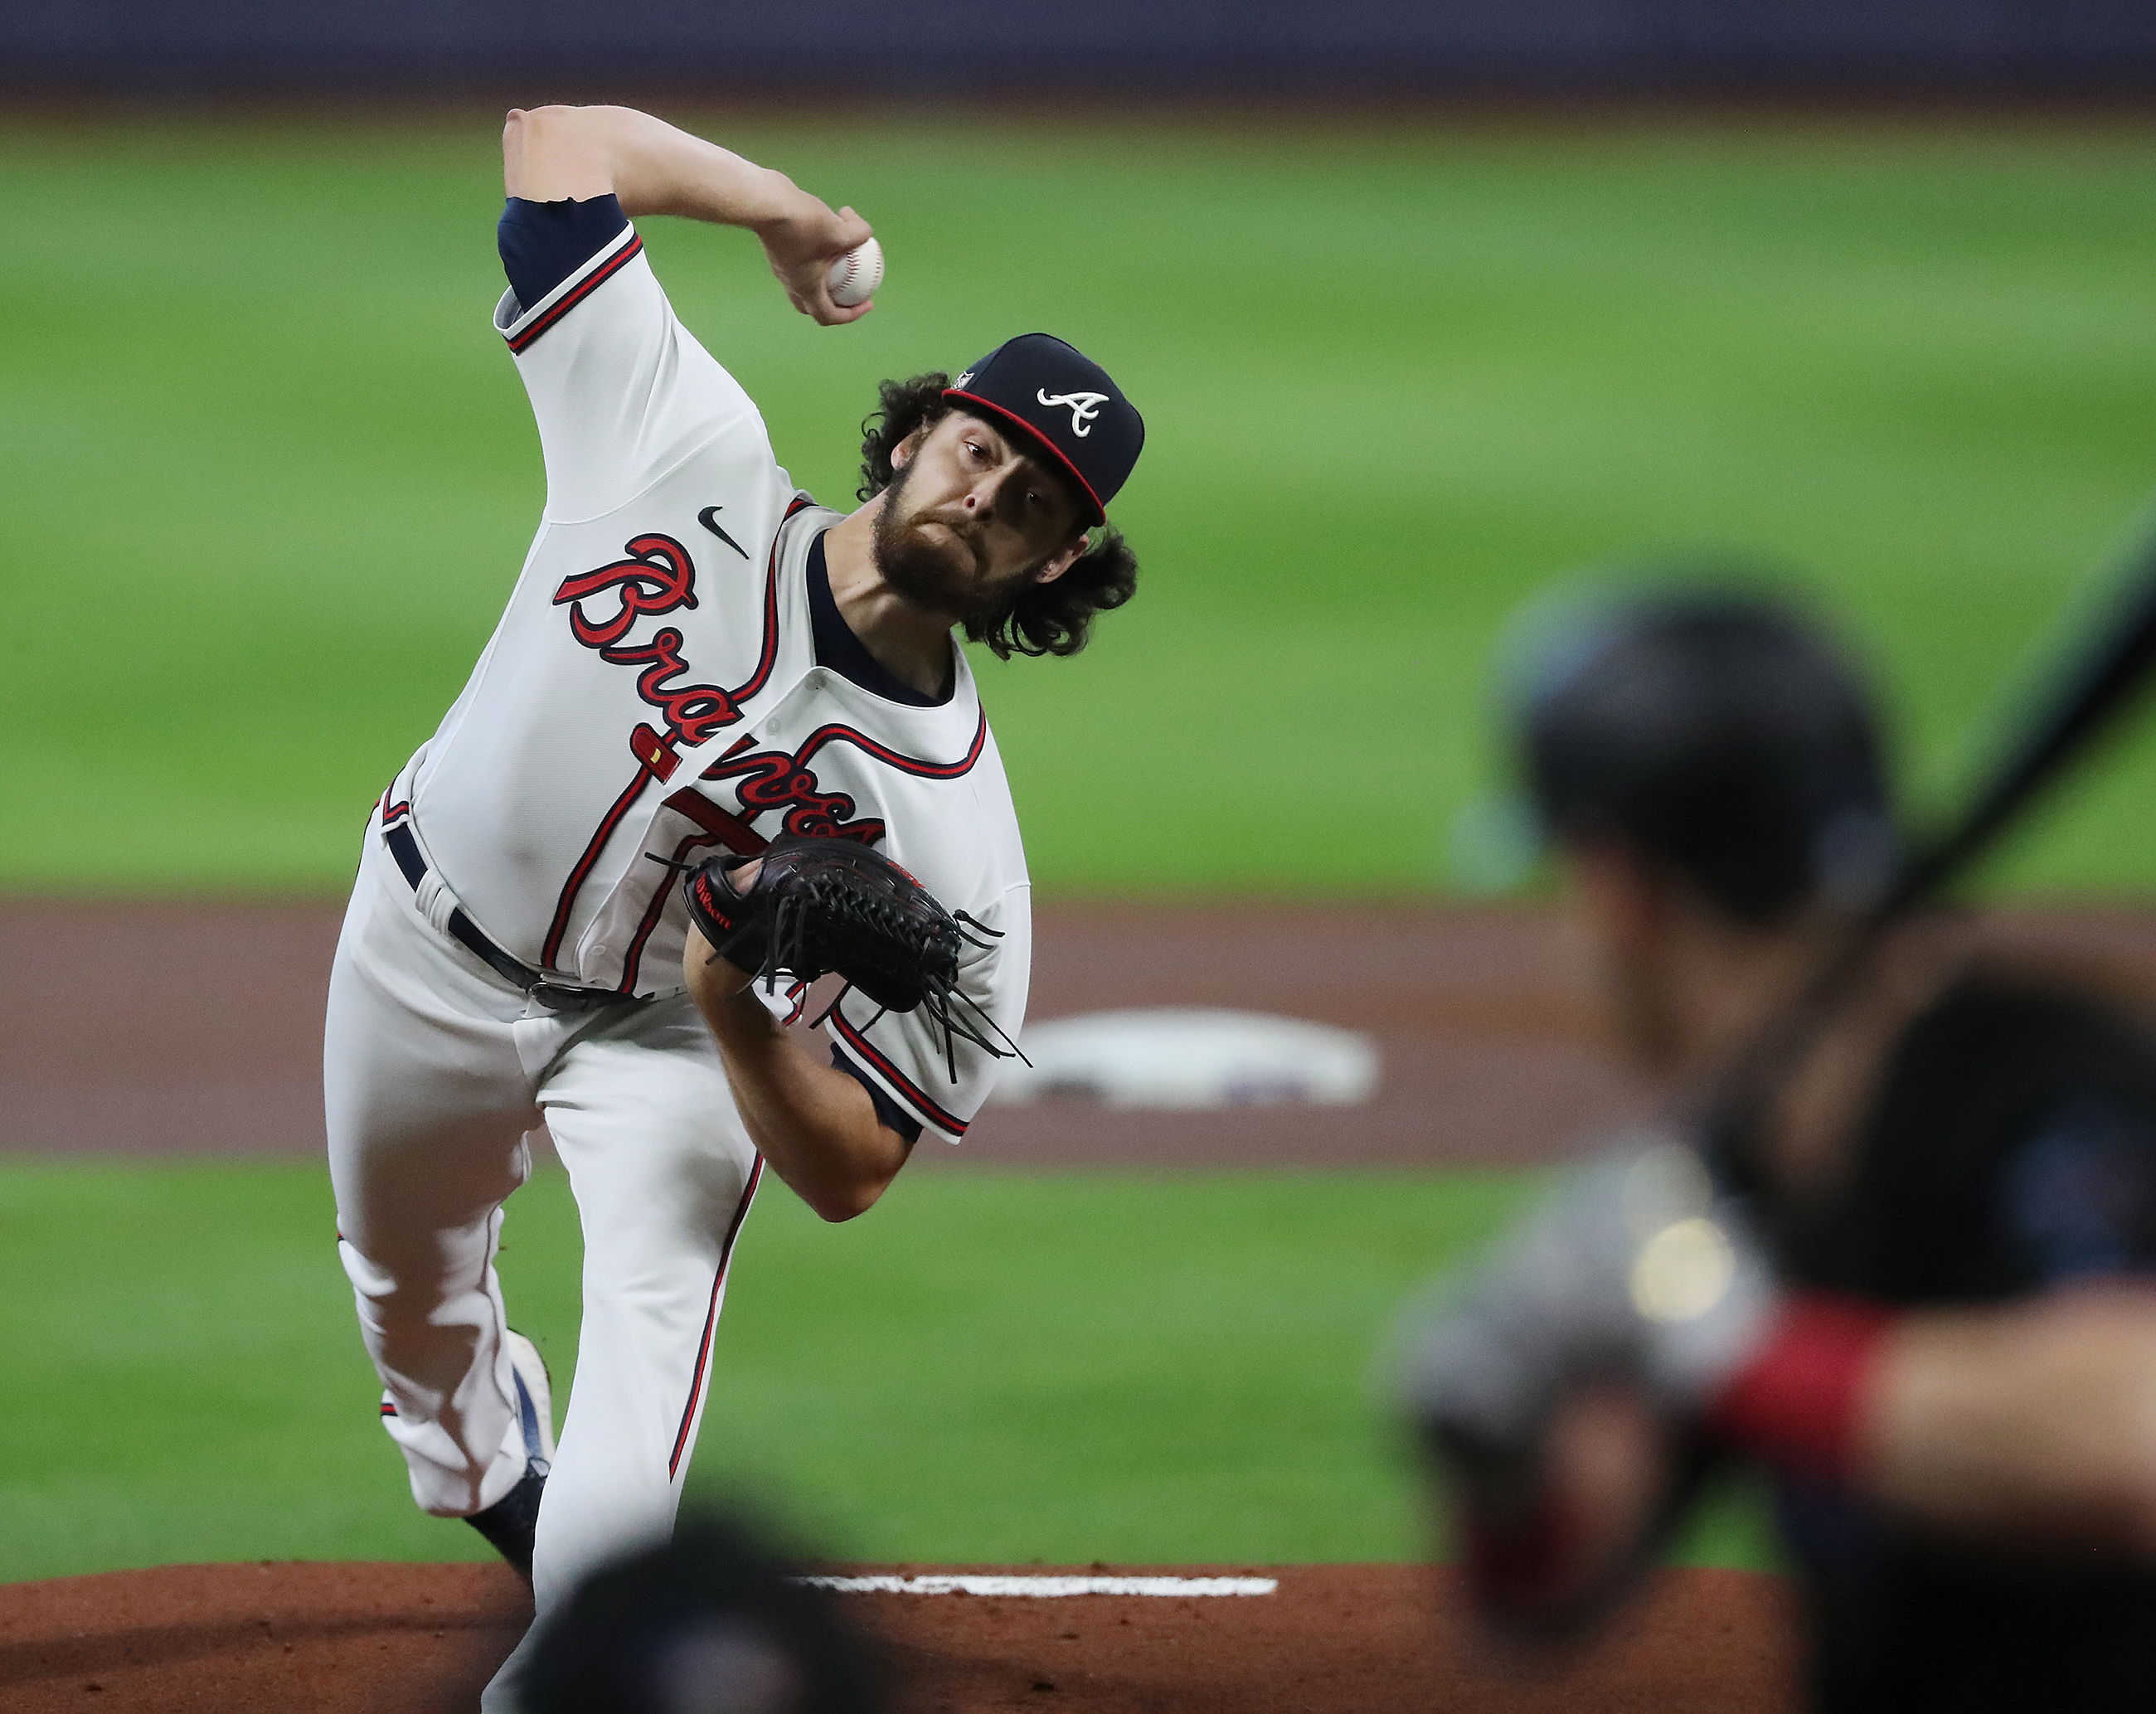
543	244
891	1116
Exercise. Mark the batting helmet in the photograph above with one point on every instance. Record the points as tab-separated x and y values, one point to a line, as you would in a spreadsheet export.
1715	731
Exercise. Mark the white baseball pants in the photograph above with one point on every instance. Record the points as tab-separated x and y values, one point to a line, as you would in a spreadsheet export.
434	1070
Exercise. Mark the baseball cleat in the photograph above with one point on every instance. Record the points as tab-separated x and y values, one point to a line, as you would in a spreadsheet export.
511	1524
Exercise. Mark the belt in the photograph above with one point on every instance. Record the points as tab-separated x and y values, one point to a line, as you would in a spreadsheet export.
412	861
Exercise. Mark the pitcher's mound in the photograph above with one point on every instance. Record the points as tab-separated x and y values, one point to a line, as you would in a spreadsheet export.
355	1639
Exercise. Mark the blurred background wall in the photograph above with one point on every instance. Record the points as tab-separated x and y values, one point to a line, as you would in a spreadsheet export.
941	49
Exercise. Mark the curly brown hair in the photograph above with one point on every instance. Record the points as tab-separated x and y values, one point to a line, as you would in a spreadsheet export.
1039	619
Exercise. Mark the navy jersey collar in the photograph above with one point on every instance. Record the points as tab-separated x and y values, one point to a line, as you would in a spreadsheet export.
838	648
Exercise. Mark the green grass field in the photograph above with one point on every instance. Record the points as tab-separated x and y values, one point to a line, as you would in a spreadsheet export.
989	1367
269	473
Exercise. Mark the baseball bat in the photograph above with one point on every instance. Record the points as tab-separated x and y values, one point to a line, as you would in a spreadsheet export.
2093	685
2086	679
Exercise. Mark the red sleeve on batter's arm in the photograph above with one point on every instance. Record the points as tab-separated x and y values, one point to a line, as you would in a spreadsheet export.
1798	1401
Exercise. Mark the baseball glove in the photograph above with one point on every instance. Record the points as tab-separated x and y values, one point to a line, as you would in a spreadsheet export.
819	905
1637	1275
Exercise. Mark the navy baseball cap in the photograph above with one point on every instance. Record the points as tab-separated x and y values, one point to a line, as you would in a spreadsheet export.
1066	403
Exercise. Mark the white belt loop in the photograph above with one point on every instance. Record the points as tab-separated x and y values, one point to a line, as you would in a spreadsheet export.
435	901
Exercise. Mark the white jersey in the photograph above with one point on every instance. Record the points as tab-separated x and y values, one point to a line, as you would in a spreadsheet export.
652	693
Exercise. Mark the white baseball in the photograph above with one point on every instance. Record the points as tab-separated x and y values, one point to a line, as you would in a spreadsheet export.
855	276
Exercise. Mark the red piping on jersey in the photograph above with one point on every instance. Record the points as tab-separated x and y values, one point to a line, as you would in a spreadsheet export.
741	693
710	1321
656	908
520	342
905	764
924	1107
766	660
559	926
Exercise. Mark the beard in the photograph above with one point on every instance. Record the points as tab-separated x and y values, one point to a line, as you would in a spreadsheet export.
941	573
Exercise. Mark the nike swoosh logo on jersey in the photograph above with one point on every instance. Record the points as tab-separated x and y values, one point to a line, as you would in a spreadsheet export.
709	519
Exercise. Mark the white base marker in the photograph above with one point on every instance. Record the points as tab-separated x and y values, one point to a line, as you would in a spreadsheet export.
1045	1587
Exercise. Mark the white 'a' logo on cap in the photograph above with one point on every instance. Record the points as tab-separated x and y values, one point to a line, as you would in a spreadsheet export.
1083	407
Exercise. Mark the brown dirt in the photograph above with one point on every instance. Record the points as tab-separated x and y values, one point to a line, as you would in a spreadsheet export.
301	1639
162	1027
295	1639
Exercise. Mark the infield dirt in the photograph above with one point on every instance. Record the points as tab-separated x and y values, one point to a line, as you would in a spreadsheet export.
360	1639
1488	1054
1486	1057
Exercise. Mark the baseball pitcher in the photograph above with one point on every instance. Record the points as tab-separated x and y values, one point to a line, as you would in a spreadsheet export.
594	897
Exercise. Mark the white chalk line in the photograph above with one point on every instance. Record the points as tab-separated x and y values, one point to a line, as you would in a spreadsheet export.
1048	1587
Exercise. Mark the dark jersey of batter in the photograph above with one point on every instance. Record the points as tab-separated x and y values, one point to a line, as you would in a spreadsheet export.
2012	1148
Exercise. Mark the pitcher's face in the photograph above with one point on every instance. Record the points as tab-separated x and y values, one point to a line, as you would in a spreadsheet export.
970	513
